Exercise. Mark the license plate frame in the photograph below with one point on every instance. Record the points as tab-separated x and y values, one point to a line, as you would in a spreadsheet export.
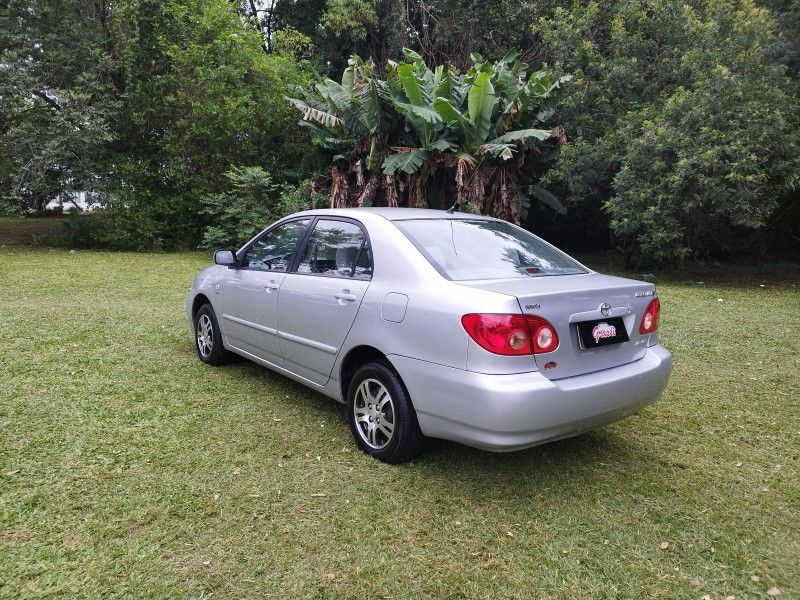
587	338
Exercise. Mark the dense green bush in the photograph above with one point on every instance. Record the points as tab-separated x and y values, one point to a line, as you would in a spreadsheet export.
165	224
684	127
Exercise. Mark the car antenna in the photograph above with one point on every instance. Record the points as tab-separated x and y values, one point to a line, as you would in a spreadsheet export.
454	208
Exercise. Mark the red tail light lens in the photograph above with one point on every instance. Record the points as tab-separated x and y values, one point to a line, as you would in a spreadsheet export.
545	338
501	334
510	334
650	317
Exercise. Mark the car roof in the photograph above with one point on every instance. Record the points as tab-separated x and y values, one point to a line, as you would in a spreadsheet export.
394	213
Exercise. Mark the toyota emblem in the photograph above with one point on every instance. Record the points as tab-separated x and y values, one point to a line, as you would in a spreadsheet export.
605	308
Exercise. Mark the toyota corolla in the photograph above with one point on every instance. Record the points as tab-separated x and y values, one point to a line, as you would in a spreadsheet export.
431	324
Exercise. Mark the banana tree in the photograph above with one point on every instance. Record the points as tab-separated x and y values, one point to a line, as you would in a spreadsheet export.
497	123
419	130
350	119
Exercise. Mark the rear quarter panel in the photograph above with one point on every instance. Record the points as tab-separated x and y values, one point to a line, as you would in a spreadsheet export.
431	327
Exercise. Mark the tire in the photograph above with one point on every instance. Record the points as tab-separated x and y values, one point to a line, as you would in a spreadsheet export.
388	430
208	338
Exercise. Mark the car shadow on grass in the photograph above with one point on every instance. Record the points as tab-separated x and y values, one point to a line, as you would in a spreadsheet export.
604	452
602	466
600	457
596	447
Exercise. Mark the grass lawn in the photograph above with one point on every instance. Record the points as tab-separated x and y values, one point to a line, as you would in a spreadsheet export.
129	468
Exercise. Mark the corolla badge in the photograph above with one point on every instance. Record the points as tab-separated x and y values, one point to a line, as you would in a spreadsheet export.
605	308
602	331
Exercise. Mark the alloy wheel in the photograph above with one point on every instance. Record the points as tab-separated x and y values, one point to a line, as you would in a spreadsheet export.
374	414
205	335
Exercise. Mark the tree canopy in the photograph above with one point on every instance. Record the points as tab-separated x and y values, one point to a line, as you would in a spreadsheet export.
678	135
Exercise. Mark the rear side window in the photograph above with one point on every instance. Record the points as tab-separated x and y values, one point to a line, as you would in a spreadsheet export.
467	249
273	250
336	249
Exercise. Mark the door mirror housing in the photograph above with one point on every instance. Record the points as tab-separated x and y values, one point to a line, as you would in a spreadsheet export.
224	257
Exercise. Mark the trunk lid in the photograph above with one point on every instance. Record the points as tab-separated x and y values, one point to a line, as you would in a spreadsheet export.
567	300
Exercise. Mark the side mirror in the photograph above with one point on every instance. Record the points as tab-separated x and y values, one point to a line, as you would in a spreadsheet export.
224	257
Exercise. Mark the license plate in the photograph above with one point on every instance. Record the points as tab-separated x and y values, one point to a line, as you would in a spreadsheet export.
603	332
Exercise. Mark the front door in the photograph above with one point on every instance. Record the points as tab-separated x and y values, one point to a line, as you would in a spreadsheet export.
249	298
318	303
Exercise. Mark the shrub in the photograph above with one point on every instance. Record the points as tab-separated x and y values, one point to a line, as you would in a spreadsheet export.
683	125
251	202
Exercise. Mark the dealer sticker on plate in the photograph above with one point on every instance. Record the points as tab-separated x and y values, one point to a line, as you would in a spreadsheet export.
604	332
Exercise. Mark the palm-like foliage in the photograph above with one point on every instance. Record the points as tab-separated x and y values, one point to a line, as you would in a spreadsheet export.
402	139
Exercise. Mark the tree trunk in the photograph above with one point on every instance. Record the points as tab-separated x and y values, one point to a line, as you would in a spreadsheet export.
265	41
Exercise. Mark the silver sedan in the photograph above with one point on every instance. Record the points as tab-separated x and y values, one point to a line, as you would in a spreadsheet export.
430	324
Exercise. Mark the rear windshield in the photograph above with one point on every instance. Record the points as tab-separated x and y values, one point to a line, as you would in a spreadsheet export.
468	249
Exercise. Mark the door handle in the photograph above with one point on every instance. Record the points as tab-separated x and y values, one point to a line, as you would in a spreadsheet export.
271	286
344	295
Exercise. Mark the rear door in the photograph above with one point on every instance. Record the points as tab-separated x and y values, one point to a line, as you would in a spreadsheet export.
319	300
249	298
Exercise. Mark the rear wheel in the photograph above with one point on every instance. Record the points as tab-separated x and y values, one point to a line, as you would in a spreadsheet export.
381	415
208	339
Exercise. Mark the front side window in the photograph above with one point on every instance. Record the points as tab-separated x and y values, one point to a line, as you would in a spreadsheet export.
469	249
338	249
273	250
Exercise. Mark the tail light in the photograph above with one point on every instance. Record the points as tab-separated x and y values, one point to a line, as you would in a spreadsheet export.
544	336
502	334
510	334
650	317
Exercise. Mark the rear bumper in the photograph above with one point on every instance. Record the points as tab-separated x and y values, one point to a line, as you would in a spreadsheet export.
511	412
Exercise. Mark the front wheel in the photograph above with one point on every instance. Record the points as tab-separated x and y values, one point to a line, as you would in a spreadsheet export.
381	416
208	339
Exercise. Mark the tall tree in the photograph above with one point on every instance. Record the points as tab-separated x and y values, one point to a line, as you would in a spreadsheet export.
57	97
202	97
